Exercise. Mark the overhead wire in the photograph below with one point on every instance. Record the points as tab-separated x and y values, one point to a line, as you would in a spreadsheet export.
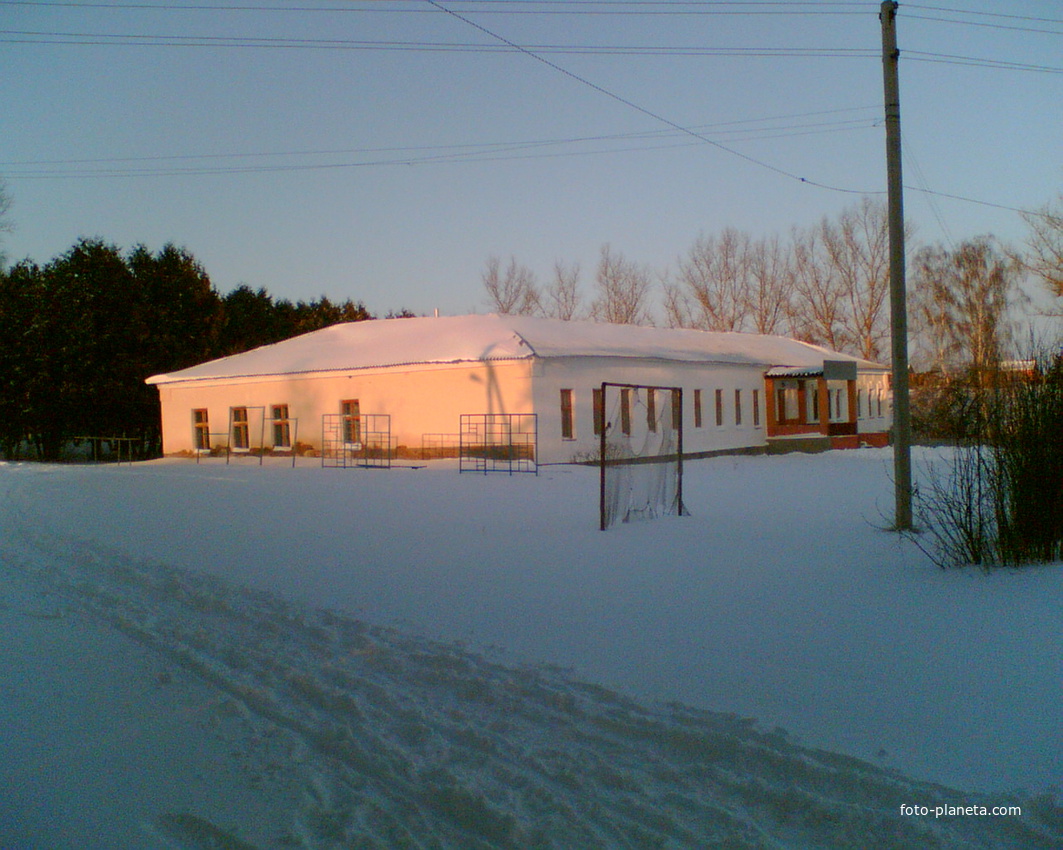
499	7
637	107
536	51
479	152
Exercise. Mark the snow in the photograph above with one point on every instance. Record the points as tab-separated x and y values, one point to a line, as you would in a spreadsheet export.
458	339
202	655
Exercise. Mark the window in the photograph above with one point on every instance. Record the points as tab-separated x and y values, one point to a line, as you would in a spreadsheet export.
738	407
697	409
837	409
860	404
599	410
787	405
201	432
878	396
651	410
282	431
568	426
625	411
351	412
719	408
812	394
756	408
241	436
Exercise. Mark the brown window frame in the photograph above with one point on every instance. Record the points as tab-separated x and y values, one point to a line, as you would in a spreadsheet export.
282	429
201	429
568	419
598	403
351	413
241	429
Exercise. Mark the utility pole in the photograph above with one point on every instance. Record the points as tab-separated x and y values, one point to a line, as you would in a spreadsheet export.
902	418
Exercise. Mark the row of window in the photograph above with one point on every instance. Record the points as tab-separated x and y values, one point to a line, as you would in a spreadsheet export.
870	403
646	398
279	425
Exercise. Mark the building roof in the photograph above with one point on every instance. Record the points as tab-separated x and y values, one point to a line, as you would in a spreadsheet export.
477	338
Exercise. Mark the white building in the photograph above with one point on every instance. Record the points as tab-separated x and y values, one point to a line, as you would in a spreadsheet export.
418	377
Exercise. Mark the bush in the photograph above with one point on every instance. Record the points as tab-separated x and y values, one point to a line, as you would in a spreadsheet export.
1000	501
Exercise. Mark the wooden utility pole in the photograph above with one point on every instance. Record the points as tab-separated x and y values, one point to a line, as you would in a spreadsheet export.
902	419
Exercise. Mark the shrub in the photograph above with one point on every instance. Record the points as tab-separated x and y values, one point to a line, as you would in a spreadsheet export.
1000	500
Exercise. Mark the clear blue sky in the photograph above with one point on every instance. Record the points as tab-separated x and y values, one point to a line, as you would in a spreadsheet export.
381	151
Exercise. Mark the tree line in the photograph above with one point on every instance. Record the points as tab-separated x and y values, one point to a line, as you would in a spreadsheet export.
826	284
83	331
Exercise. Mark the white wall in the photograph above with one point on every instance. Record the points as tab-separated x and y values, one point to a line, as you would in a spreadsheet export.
585	374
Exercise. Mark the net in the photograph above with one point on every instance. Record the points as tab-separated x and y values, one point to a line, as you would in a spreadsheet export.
641	453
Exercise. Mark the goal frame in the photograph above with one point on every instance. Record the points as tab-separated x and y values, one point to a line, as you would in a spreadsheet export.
604	461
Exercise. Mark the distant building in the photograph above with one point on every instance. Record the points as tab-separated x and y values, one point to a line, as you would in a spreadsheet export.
418	377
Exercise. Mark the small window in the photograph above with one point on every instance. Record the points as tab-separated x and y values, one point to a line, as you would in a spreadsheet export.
837	409
625	411
756	408
599	410
697	409
651	410
201	434
738	407
568	426
351	412
860	404
282	430
241	433
787	404
879	394
719	408
812	395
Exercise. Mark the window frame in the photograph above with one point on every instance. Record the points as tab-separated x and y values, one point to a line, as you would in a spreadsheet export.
568	414
201	429
351	421
240	429
281	426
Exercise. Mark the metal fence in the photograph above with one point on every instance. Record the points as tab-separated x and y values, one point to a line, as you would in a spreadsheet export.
356	441
498	442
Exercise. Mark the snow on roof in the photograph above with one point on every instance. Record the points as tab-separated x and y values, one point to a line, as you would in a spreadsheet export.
475	338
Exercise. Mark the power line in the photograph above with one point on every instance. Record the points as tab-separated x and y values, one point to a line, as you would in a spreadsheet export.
632	105
743	125
977	62
144	40
969	12
985	25
453	154
502	7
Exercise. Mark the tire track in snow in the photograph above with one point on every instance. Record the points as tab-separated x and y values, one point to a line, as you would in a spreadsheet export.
396	741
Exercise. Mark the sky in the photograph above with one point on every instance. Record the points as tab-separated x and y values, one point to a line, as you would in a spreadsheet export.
382	151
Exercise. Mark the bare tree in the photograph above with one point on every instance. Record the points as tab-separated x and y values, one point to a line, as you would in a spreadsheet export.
677	307
770	300
965	296
562	295
623	291
1045	245
513	291
857	246
715	284
819	295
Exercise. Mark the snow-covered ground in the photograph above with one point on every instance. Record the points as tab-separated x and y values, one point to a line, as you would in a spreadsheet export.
212	656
